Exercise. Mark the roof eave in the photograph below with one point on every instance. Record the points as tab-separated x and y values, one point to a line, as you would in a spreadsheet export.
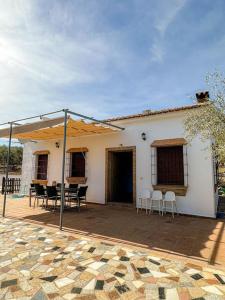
158	112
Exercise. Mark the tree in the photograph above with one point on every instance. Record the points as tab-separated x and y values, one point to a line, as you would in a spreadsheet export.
3	154
16	155
209	120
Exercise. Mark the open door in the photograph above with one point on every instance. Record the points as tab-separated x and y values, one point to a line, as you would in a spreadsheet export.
121	179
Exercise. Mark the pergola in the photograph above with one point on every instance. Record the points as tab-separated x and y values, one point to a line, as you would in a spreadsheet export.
53	128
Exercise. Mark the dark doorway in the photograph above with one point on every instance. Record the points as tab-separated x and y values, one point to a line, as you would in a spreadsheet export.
120	176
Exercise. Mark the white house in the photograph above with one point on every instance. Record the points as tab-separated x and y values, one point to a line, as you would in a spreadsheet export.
151	152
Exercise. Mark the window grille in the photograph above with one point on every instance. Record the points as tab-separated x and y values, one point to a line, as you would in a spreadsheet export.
34	166
153	165
67	163
185	156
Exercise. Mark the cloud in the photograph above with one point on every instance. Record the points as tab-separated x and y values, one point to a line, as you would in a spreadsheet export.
165	14
44	54
103	57
157	52
45	51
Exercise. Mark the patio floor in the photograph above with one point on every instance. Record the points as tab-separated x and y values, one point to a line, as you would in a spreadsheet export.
189	239
41	263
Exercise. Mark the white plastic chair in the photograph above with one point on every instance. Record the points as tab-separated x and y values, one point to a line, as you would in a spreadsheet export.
144	199
156	201
169	198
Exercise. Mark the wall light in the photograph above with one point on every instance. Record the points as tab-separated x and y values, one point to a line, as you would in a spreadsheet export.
57	144
143	136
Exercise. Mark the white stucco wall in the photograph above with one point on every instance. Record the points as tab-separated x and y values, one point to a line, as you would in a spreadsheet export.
199	199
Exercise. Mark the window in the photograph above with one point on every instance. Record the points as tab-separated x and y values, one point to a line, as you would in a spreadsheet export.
42	166
77	164
170	165
76	168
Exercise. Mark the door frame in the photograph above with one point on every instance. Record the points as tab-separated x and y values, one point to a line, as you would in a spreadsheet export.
107	170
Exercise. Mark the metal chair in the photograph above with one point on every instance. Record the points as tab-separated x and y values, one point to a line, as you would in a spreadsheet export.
73	186
156	198
72	192
39	194
81	196
169	198
144	199
52	195
32	192
58	185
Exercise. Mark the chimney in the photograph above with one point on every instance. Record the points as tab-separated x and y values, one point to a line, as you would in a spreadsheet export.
202	97
147	111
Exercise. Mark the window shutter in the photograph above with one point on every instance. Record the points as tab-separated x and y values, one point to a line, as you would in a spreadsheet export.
170	165
77	164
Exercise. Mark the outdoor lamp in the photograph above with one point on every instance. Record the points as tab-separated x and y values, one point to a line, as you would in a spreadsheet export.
143	136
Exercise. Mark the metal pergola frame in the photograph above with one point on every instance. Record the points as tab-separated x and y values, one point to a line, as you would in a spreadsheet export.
66	112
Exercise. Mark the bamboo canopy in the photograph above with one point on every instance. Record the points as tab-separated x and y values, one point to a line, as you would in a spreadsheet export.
5	132
54	129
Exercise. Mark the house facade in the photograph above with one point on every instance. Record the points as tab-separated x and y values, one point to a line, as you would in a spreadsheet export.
151	152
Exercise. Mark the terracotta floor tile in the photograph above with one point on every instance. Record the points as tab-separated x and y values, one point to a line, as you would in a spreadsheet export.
186	237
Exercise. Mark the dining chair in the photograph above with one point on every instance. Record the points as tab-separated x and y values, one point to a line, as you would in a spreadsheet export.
32	192
71	192
81	196
39	194
52	195
58	187
73	186
59	184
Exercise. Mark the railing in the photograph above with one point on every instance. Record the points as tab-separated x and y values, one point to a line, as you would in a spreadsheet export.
12	185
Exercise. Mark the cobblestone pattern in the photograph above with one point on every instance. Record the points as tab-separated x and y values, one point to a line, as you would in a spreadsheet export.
40	263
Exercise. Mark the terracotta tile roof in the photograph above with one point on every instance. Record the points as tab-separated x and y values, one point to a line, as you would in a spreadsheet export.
156	112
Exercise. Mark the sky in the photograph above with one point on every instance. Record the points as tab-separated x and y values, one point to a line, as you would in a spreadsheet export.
106	58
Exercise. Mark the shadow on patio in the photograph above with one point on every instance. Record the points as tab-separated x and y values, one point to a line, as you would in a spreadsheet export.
183	238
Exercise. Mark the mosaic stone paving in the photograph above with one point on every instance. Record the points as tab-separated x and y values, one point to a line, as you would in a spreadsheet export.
40	263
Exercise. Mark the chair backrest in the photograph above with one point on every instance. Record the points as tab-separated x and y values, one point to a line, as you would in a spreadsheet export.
35	184
51	191
73	186
170	196
82	191
156	195
146	194
39	190
59	185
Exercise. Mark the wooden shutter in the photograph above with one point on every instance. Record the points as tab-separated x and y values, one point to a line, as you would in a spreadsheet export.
170	166
78	164
42	166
